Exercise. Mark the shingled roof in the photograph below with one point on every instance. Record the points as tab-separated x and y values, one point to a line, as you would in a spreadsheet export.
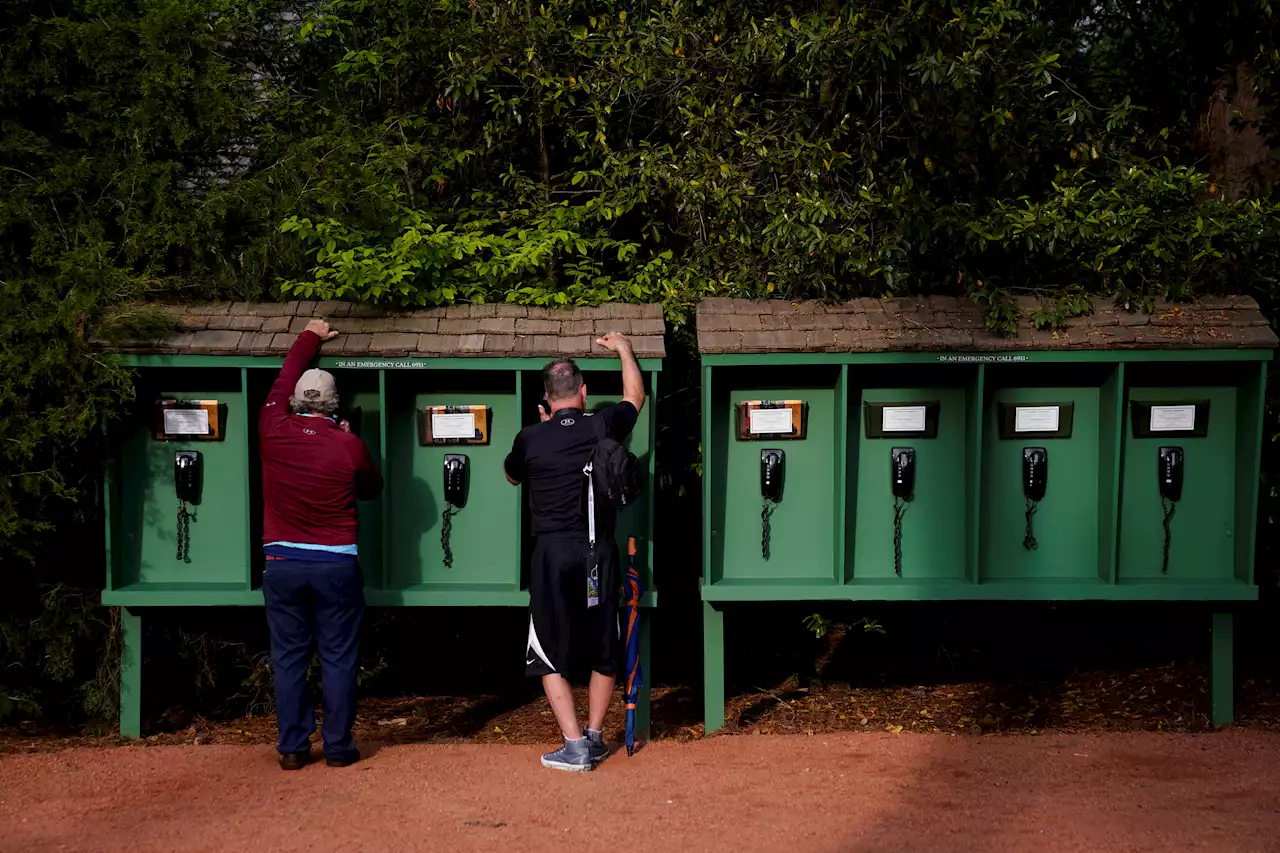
245	328
947	323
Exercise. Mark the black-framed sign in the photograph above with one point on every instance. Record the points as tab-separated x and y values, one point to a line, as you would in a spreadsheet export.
189	420
1036	420
901	420
1184	419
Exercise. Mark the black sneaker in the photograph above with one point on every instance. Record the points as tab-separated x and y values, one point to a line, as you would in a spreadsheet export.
344	761
295	760
596	746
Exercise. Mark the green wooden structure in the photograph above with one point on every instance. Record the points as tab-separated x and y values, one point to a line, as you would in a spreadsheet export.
840	389
390	369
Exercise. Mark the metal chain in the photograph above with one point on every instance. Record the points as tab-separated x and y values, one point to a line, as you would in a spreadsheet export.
1029	541
446	527
185	517
899	510
1169	508
765	512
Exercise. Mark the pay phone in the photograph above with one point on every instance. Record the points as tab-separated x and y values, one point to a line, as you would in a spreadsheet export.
1035	479
1170	471
903	482
455	498
186	485
772	470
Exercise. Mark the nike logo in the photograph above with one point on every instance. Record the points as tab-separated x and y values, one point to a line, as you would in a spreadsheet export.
529	662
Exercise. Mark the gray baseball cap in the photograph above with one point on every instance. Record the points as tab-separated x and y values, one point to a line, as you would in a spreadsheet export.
316	386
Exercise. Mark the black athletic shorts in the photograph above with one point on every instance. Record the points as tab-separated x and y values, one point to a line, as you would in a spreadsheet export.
565	636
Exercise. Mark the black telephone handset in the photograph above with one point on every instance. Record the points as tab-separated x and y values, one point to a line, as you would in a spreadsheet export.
455	498
772	464
772	474
186	476
186	484
1035	472
1169	471
1171	464
904	472
1035	479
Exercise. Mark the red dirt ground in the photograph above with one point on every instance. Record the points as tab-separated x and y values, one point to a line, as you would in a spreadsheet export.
863	793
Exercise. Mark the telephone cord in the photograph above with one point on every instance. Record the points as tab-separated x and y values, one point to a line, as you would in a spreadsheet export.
446	527
1169	508
899	510
1029	541
765	512
185	517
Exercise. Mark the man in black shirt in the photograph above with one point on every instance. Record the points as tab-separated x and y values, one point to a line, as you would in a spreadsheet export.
573	587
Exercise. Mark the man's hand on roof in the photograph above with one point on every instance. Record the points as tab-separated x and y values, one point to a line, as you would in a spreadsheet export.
614	341
321	328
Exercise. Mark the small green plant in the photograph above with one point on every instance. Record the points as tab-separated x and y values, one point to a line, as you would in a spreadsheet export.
820	626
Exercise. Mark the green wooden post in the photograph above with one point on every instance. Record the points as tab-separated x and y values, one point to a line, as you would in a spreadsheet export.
1222	670
131	673
713	666
646	671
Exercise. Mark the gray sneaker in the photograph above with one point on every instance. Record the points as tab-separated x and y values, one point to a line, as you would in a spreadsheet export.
596	746
574	756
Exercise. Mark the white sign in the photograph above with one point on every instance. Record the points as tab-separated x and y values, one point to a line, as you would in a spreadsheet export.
1173	418
186	421
902	419
1035	419
771	421
453	426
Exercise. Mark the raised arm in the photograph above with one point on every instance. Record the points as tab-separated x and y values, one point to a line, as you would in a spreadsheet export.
632	382
295	363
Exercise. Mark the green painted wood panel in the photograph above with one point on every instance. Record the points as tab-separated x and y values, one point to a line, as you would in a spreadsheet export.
1204	525
802	529
484	534
1066	521
149	508
933	527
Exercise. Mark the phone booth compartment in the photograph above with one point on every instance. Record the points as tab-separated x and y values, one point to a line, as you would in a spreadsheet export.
604	388
929	412
484	533
802	526
147	535
360	405
1217	477
1068	414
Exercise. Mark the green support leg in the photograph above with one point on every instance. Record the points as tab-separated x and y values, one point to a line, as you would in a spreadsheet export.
713	666
646	672
131	673
1222	670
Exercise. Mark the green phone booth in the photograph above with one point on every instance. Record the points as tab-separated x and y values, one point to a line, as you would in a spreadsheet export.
895	450
437	396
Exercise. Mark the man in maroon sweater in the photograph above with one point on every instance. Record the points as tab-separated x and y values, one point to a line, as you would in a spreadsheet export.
313	472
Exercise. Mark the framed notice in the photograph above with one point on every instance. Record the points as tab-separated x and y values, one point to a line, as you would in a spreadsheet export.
1177	419
1036	420
189	420
453	425
901	420
771	420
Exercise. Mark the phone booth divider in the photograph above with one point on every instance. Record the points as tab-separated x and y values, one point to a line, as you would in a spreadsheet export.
1114	459
421	389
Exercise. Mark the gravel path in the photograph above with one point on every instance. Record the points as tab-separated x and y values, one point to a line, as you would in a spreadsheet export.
863	793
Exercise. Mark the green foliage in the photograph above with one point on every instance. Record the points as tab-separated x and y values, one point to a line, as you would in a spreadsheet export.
48	650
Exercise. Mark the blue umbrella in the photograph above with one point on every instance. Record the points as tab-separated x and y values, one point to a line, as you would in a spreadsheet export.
635	589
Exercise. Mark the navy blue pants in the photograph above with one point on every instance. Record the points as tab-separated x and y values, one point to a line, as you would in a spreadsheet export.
315	605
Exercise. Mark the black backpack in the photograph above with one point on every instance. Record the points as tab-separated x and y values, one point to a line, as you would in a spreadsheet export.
615	477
